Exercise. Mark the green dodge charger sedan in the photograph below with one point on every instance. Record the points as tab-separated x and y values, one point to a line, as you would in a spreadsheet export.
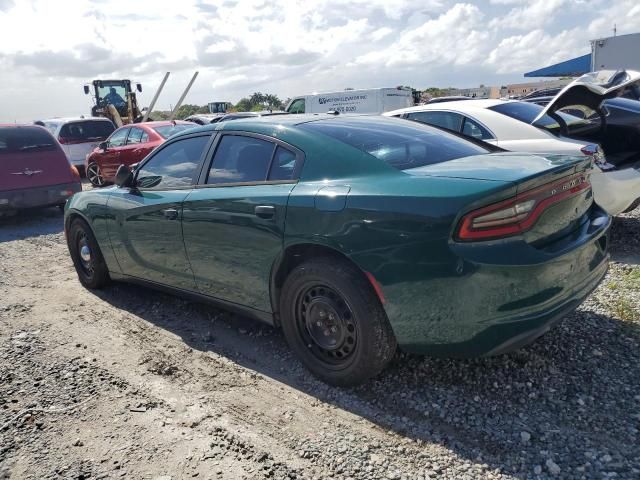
355	235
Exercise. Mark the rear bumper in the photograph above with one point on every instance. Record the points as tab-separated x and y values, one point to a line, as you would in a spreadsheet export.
617	190
37	196
497	298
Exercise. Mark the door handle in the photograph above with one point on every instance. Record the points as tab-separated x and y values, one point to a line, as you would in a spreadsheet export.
170	213
265	211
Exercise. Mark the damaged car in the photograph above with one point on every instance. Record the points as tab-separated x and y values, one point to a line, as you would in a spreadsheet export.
591	116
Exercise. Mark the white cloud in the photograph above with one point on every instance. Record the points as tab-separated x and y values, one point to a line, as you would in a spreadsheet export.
48	50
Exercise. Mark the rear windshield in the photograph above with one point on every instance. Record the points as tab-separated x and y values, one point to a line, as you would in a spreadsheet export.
87	130
527	112
167	130
25	139
402	144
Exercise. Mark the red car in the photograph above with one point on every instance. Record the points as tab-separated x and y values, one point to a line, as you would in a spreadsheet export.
34	170
128	145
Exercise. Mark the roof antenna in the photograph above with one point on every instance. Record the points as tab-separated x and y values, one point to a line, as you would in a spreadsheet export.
615	29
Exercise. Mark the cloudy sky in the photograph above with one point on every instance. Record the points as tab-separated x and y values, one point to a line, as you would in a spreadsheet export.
48	50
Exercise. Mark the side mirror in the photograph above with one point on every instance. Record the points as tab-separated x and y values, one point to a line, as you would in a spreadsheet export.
139	87
134	166
86	89
103	146
124	177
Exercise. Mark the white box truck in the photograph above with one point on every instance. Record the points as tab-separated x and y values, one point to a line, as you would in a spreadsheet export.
371	101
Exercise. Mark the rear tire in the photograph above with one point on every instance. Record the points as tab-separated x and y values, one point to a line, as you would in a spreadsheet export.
94	175
333	321
86	255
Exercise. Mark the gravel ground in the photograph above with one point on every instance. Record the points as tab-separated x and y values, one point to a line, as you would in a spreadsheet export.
132	383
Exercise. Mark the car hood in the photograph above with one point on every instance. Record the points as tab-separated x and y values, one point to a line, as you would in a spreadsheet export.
592	89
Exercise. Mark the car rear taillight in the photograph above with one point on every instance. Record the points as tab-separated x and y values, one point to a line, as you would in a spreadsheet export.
75	173
517	215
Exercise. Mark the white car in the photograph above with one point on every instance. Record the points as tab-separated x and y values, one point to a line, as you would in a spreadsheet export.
78	136
527	127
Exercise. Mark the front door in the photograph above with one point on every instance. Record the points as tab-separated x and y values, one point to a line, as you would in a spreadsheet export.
145	231
234	226
110	157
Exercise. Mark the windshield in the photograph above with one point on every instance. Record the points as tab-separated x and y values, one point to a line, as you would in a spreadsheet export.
86	131
527	112
115	95
25	139
166	131
402	144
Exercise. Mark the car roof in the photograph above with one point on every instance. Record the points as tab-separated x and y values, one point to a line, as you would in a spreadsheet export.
158	123
74	119
454	105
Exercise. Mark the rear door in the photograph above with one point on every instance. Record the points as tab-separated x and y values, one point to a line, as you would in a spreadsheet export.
145	229
31	157
110	158
136	148
233	223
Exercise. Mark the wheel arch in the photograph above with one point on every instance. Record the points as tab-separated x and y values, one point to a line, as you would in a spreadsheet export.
295	254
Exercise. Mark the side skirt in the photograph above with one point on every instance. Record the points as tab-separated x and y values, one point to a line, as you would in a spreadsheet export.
259	315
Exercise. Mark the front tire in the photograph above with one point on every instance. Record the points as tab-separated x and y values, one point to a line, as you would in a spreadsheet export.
94	175
333	321
86	255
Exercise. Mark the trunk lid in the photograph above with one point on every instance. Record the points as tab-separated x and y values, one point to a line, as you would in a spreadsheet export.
555	187
31	157
591	89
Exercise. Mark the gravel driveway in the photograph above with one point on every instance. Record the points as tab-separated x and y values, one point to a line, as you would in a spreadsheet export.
131	383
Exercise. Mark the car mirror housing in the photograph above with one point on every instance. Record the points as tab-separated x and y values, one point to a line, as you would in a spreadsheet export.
124	177
103	146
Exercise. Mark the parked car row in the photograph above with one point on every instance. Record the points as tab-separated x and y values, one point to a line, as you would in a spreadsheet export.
582	119
357	234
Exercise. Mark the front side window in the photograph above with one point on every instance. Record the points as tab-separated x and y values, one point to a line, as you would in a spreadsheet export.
399	143
297	106
473	129
118	138
174	166
25	139
449	120
240	159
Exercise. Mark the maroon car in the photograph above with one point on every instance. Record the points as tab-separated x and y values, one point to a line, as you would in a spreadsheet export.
34	170
128	145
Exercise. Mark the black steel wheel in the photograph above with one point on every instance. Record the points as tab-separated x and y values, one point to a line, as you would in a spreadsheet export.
334	322
326	324
86	255
94	175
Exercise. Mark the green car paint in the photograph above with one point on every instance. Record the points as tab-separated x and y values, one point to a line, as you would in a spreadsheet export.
441	296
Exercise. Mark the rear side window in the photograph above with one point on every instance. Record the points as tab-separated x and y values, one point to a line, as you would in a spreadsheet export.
473	129
399	143
240	159
283	166
174	166
448	120
25	139
85	131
